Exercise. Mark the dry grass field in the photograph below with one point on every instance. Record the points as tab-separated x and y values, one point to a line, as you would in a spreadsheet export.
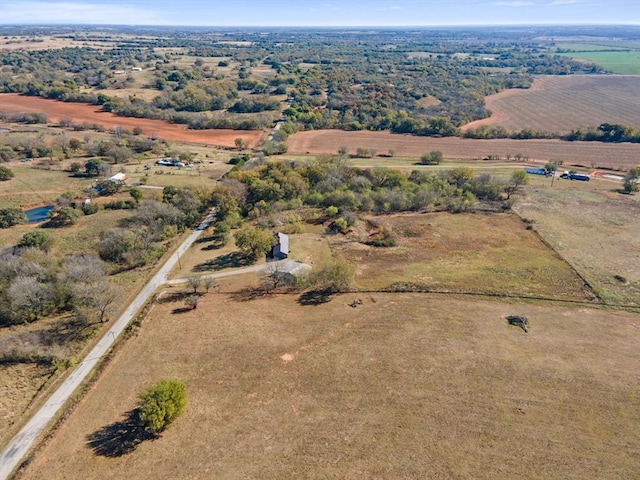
403	386
594	228
588	154
481	253
80	112
560	104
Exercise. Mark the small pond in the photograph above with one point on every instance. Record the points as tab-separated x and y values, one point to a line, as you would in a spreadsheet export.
39	214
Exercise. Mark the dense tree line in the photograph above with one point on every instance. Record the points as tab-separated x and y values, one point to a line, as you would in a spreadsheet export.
267	187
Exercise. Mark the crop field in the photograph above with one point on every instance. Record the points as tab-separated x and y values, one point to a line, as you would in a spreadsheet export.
589	154
559	104
403	386
13	103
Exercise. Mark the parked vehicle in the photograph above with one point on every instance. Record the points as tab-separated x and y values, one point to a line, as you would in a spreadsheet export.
575	176
170	162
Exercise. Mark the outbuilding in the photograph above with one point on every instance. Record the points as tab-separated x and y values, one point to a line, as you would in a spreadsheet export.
280	250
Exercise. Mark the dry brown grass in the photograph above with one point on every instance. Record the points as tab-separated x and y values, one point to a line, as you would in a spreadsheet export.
594	228
589	154
483	253
560	104
403	386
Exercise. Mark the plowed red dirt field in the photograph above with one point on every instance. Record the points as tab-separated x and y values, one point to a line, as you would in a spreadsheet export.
588	154
562	103
82	112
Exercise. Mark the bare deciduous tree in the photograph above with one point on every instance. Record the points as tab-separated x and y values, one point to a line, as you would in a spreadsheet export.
194	282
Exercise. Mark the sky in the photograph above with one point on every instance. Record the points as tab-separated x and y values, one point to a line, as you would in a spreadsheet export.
393	13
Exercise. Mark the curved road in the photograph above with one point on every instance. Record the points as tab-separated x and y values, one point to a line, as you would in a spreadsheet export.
20	444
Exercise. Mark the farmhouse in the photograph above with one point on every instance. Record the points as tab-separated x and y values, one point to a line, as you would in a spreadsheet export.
280	250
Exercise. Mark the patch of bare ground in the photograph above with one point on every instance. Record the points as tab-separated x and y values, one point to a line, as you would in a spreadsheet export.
559	104
81	112
593	227
588	154
402	386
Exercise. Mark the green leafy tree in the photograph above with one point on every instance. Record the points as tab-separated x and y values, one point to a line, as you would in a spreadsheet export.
223	200
136	194
96	167
64	216
253	241
6	174
160	405
517	179
631	181
35	239
431	158
11	216
109	187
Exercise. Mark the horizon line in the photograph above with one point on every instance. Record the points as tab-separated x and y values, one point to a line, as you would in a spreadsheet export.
559	24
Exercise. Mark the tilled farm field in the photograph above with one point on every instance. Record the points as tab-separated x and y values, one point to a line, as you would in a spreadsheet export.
587	154
81	112
560	104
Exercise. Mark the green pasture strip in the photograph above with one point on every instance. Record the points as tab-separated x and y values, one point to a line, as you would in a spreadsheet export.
623	63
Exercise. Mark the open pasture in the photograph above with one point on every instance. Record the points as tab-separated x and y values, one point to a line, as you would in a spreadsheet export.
596	229
403	386
559	104
80	112
589	154
480	253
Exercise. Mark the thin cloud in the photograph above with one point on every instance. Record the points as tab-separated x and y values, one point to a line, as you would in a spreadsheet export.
76	13
562	2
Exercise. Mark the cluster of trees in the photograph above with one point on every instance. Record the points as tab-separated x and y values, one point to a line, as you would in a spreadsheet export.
605	132
138	241
35	283
265	187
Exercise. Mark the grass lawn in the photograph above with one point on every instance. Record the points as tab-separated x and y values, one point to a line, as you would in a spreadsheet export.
403	386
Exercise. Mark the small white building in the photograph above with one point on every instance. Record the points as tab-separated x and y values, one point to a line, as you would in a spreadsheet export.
118	177
292	271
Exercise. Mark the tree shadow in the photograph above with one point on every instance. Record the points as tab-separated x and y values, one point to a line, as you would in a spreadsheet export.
230	260
182	310
119	438
315	297
248	294
173	297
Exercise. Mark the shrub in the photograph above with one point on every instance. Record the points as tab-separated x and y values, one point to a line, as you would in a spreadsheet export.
11	216
161	404
431	158
35	239
90	208
6	174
